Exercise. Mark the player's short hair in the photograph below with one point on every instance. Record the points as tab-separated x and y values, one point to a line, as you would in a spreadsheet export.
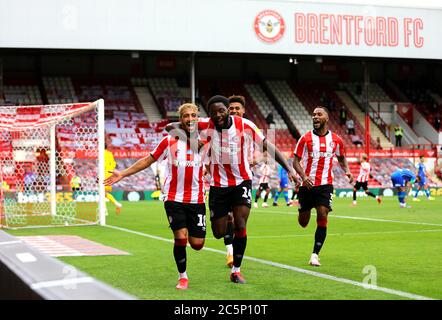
184	107
324	108
218	98
240	99
364	156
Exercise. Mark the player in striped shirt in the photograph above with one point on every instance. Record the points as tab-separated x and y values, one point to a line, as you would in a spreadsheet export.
231	185
237	107
263	183
362	180
183	187
313	161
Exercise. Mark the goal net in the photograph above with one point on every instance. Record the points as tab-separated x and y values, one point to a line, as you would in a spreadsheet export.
52	165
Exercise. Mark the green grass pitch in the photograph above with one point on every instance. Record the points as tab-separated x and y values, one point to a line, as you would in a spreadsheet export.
400	248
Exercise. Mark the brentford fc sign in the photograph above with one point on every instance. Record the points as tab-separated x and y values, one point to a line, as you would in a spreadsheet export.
269	26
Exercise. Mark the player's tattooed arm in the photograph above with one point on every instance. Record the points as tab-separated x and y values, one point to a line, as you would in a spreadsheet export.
344	165
306	181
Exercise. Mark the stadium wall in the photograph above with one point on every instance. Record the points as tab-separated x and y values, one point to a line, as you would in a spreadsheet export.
423	128
270	27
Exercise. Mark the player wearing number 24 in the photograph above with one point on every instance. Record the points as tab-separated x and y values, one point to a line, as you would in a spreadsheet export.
231	178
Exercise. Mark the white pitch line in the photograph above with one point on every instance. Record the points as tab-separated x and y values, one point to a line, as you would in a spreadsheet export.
296	269
331	215
340	234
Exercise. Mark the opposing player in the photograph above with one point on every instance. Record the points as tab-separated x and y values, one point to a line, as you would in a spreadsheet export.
362	180
230	186
422	173
263	183
109	166
403	180
183	187
316	150
283	187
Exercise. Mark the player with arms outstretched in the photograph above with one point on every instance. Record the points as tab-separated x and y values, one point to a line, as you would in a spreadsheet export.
231	185
183	187
316	150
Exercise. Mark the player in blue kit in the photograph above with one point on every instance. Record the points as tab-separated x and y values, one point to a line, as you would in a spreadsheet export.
283	187
422	173
403	180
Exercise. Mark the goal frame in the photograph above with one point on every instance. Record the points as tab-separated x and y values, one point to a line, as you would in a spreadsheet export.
99	105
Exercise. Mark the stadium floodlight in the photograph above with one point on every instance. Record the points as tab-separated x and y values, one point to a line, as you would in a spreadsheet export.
52	165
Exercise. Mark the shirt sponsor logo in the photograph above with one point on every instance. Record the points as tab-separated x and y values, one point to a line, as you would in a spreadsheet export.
187	163
320	154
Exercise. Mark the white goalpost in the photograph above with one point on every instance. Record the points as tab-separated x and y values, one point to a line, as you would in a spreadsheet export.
52	165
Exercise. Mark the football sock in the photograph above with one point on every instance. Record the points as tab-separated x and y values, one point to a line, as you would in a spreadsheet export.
401	196
183	275
266	197
239	246
286	196
427	192
228	238
179	253
354	195
111	199
371	194
294	194
416	193
275	199
320	234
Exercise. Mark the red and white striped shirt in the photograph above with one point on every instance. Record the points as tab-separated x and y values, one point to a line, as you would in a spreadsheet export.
317	154
364	172
184	173
265	173
229	150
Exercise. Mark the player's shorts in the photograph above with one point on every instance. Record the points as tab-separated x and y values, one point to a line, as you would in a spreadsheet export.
397	180
422	181
363	185
263	186
316	196
222	200
187	215
107	188
284	183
